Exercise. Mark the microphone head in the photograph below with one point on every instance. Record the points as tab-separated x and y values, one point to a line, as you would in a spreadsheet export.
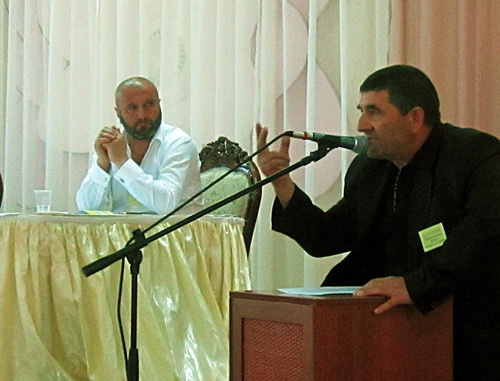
360	144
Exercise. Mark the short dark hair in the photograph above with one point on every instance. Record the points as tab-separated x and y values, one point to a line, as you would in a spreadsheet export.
408	88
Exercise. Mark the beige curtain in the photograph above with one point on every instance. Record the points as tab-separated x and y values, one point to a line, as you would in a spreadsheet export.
220	65
63	60
312	57
457	43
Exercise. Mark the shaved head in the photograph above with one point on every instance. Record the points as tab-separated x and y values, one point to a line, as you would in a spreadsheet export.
138	82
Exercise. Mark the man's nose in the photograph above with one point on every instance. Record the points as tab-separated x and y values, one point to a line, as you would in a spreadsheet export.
363	124
141	113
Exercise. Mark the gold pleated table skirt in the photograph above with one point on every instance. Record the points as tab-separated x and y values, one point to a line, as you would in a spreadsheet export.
57	324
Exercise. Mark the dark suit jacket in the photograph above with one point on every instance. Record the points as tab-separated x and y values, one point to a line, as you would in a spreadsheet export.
457	183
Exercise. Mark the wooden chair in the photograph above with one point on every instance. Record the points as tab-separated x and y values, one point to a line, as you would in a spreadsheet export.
217	158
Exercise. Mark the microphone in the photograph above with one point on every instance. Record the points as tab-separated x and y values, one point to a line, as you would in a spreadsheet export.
357	144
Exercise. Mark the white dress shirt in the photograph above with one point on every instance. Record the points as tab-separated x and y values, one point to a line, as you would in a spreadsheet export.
168	175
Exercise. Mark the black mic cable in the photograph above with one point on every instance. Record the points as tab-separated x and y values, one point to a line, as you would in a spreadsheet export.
246	160
175	210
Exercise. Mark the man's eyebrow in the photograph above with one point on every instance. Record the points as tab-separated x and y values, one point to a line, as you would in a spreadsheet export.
368	107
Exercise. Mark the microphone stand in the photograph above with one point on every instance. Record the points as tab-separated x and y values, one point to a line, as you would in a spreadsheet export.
134	255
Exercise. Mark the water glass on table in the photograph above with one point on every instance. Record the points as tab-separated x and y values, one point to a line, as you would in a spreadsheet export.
43	200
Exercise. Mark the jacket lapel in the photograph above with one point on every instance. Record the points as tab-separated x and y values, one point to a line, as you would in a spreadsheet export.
377	177
421	206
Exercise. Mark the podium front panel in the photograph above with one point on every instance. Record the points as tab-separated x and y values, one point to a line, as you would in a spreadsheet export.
281	337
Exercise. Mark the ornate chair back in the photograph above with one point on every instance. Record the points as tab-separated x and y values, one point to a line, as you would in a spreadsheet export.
217	158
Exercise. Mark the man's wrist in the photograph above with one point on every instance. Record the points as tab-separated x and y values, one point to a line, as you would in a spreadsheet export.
105	165
119	162
284	188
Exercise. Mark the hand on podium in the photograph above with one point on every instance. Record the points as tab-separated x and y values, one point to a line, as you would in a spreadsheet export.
392	287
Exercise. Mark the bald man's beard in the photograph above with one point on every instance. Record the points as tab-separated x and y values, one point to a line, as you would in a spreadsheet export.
142	133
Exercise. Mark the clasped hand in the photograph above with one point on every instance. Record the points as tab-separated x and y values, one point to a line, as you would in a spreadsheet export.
111	147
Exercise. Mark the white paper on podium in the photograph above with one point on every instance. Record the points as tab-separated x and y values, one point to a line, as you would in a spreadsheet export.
320	290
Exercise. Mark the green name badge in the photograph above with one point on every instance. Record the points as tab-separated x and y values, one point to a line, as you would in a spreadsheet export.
432	237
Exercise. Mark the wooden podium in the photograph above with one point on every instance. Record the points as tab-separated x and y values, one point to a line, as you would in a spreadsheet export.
275	336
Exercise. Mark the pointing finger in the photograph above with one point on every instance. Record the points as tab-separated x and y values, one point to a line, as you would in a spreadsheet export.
285	145
262	133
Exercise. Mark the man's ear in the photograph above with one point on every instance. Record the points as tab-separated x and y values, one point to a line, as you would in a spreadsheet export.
417	117
117	112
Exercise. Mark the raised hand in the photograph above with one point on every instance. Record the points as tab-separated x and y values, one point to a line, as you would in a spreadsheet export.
271	162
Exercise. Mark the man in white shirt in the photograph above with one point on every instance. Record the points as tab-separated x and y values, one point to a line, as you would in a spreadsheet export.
149	167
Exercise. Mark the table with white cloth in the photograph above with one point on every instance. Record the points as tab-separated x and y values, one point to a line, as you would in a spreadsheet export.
56	324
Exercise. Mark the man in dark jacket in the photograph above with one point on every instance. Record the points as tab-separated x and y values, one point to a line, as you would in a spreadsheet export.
420	214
